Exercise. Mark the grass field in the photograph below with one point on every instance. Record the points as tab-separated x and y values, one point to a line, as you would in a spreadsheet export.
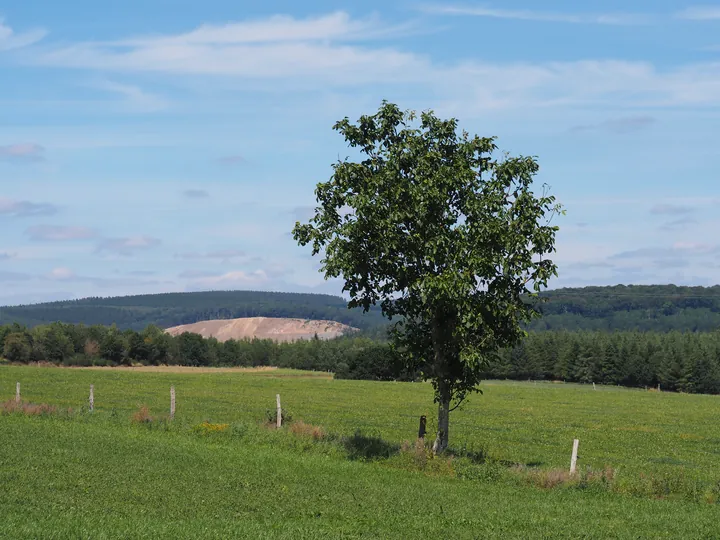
99	475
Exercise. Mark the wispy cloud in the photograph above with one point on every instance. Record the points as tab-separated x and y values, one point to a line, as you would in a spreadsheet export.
128	246
678	224
619	19
9	39
235	159
14	276
22	152
223	255
59	233
64	274
333	51
618	125
700	13
136	99
194	274
14	208
680	249
237	278
196	194
672	209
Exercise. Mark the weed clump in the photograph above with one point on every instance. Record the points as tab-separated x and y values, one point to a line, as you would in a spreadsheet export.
206	428
308	430
142	416
28	409
271	417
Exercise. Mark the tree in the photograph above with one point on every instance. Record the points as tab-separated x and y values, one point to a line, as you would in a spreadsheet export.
53	343
17	348
112	346
442	235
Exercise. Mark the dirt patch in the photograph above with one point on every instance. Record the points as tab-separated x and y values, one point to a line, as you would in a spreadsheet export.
277	329
181	369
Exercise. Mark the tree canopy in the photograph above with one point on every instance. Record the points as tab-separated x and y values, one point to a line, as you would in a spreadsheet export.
435	229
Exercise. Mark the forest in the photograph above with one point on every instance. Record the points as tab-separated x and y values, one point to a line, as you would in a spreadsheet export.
677	361
654	308
173	309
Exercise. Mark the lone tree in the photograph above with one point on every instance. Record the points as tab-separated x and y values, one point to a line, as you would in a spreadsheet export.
443	236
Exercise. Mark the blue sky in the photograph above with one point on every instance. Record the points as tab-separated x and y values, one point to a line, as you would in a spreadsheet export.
168	146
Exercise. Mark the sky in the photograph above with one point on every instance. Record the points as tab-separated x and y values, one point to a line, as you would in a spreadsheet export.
155	146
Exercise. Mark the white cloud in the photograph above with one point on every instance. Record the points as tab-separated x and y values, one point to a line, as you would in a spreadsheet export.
539	16
278	28
317	53
61	274
9	39
700	13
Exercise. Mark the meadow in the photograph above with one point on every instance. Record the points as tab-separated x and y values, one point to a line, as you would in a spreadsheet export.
350	470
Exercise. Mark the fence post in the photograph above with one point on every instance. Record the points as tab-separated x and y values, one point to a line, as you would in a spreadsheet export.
17	393
573	459
92	397
172	402
279	411
422	429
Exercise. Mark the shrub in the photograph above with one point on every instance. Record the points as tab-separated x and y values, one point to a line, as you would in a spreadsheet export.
308	430
29	409
142	416
271	416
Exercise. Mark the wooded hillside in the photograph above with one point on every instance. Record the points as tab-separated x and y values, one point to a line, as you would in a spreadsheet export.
658	308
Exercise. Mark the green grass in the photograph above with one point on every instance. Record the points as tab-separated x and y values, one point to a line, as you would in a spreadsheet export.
97	475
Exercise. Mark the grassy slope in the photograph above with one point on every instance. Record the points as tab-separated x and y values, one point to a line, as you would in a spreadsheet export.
84	480
634	430
100	475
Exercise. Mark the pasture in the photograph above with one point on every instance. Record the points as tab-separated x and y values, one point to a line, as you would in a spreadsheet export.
98	474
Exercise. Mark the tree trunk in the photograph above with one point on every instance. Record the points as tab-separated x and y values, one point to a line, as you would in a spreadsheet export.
441	441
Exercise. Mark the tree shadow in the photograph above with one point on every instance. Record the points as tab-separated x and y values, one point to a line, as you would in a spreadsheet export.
367	448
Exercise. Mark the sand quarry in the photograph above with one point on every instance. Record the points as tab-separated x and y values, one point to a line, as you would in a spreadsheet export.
277	329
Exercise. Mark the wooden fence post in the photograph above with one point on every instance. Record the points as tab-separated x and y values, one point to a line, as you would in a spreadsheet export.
279	411
172	402
423	425
17	393
573	459
92	397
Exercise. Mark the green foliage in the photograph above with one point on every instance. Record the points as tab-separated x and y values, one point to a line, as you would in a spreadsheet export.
17	347
656	308
434	229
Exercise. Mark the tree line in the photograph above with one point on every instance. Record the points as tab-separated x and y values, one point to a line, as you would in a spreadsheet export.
677	361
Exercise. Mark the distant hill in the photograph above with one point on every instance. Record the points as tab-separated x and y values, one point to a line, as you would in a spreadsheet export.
173	309
658	308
